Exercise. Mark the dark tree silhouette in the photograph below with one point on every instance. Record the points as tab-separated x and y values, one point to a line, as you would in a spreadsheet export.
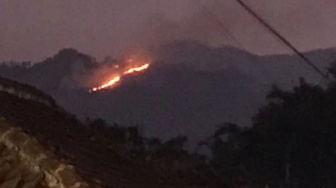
294	137
291	143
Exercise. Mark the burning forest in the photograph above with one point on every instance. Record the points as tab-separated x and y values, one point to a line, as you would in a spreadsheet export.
111	75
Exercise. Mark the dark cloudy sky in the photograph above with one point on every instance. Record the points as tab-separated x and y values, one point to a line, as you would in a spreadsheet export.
35	29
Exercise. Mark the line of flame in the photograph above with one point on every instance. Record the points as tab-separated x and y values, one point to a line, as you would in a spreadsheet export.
137	69
108	84
117	79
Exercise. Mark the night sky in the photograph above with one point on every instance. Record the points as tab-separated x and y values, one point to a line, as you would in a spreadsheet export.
35	29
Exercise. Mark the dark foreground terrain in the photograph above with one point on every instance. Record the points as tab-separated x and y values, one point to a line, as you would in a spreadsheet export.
97	157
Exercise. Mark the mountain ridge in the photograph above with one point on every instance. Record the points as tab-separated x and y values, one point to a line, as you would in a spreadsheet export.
190	86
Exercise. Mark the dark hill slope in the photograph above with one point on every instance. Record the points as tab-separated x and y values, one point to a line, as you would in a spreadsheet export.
92	152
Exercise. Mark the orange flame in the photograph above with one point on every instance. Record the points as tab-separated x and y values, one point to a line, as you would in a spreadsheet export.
110	83
137	69
117	79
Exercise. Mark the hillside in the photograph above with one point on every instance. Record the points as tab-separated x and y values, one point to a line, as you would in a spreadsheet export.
189	89
96	158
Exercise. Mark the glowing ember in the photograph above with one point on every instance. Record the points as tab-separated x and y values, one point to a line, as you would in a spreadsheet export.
117	79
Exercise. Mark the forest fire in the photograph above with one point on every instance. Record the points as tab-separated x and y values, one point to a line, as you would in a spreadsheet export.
118	77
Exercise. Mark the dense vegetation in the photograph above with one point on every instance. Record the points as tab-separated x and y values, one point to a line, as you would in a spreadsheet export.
292	142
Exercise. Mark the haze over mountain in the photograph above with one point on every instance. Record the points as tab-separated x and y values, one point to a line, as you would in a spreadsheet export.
189	89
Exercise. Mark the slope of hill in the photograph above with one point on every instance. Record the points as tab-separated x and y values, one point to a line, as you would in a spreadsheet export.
189	89
65	140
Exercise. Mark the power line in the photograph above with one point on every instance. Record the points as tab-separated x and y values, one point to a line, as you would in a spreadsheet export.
220	24
226	31
283	39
